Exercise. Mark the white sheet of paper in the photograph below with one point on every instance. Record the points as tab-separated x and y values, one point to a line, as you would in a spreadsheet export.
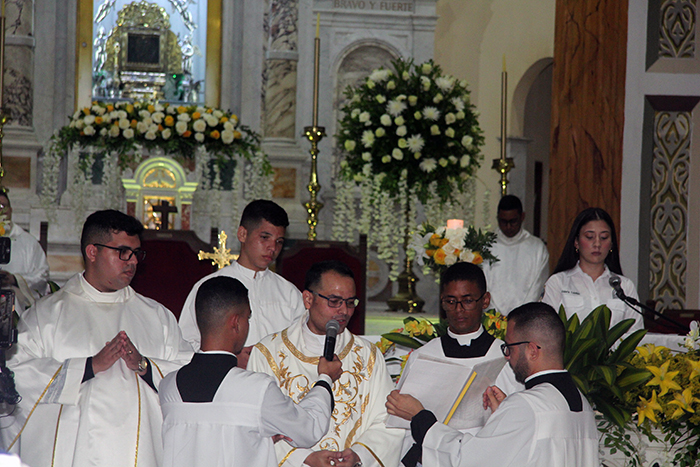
437	383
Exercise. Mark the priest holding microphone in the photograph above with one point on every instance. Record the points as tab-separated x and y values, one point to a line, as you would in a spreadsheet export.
358	436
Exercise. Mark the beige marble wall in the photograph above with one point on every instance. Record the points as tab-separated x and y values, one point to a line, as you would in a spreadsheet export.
279	80
19	62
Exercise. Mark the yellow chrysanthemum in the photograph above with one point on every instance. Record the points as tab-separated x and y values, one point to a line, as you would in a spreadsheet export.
647	408
663	378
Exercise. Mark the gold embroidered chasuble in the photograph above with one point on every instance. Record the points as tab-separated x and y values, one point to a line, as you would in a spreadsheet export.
358	420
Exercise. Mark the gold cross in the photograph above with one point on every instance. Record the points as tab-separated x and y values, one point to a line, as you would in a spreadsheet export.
222	256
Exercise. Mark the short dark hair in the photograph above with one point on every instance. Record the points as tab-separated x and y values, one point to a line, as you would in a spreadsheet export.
3	192
538	320
317	270
569	255
263	209
215	299
464	272
101	225
509	203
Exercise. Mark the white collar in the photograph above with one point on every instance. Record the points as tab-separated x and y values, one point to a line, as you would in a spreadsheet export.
215	352
465	339
95	295
517	238
249	273
545	372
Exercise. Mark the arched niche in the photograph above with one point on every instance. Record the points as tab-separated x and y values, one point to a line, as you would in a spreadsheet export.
353	66
155	180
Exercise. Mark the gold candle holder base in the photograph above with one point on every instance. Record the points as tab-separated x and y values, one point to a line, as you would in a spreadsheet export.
314	134
406	299
503	166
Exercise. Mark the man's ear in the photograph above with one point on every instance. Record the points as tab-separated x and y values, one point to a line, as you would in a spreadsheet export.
522	217
91	253
487	300
308	298
242	234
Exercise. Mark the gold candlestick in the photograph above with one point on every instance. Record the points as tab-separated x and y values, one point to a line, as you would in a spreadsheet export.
314	134
504	164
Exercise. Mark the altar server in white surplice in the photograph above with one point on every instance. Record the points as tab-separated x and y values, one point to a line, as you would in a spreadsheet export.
358	432
215	414
463	297
550	423
27	273
523	261
91	357
275	303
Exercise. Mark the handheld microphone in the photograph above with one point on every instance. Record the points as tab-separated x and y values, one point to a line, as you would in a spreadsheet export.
332	328
614	282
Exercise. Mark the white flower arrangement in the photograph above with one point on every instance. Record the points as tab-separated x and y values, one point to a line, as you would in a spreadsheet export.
410	127
121	133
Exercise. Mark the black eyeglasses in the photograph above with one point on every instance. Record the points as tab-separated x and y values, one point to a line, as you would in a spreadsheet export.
125	253
505	348
450	304
336	302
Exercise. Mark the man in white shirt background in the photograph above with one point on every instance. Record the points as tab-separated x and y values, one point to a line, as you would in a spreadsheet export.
523	261
275	302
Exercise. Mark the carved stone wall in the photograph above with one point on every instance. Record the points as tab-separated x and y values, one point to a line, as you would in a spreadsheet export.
677	28
669	207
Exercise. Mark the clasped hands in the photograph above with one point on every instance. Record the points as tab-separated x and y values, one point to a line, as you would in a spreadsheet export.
406	406
120	347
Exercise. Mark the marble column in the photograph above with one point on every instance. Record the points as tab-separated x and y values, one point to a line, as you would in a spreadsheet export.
588	102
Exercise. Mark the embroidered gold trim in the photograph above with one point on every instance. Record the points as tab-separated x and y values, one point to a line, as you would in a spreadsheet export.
270	361
138	424
314	360
35	404
55	437
287	457
348	442
372	359
371	452
157	368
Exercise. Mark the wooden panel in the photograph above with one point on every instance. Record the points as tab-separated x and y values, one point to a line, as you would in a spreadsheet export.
588	97
18	172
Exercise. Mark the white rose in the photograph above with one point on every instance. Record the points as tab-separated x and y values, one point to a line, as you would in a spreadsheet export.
450	132
211	120
128	133
467	141
89	119
167	133
181	127
104	132
381	99
450	118
397	154
171	110
89	130
158	117
349	145
366	157
403	144
184	117
144	113
391	85
379	132
438	98
218	114
355	113
426	68
364	117
227	136
412	100
460	115
199	125
199	137
386	159
434	130
201	110
443	162
465	161
150	135
228	126
405	75
114	131
80	124
141	127
401	131
385	120
399	120
124	123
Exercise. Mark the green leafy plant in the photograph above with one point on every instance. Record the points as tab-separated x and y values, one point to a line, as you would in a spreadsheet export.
599	364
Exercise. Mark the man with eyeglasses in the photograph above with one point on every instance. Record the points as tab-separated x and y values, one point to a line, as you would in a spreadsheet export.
523	261
27	272
463	299
550	423
358	435
90	357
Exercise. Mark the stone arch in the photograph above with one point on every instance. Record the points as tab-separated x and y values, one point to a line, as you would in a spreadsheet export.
159	178
353	64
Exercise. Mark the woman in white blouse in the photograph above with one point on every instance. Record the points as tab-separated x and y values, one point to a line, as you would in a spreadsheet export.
590	257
